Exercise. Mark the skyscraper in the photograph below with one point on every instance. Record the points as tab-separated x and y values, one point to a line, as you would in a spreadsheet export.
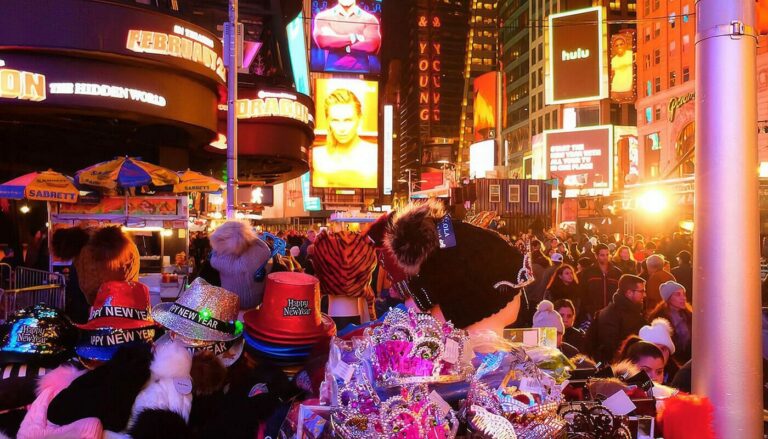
482	57
432	83
514	34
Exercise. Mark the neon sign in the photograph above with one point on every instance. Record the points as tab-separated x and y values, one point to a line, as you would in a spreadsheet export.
178	46
429	69
107	91
17	84
271	105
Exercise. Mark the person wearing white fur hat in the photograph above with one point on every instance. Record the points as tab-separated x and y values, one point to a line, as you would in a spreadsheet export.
547	317
659	332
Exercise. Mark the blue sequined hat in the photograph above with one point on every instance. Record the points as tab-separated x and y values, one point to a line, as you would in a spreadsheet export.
39	335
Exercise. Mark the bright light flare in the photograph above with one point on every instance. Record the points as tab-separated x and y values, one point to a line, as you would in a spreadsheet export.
653	201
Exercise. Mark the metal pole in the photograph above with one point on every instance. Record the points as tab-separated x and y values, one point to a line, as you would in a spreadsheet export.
231	112
499	125
727	366
409	185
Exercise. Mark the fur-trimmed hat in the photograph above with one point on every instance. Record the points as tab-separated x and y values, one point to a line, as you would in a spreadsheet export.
659	333
99	255
472	273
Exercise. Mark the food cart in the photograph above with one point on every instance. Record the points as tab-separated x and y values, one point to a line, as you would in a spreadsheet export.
159	225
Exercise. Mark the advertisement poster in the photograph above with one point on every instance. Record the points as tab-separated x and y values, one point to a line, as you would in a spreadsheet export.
481	158
346	151
581	159
346	36
622	69
576	70
485	106
137	206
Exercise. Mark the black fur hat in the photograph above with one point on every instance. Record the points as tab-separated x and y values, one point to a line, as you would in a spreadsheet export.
472	273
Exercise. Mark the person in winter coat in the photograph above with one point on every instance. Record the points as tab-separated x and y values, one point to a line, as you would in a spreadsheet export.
239	255
598	283
563	285
624	260
678	312
622	317
572	335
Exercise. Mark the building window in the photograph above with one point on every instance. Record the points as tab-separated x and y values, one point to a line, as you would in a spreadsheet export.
655	4
657	113
514	193
657	84
647	34
648	89
685	14
657	30
533	194
652	155
647	61
672	79
672	17
494	192
648	115
656	56
686	39
684	150
686	74
672	46
647	7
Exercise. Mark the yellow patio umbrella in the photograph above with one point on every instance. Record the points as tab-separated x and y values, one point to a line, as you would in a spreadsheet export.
41	186
192	181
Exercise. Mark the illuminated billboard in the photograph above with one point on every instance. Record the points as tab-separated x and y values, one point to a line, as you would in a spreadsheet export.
581	159
346	148
481	158
485	106
388	132
346	36
297	49
576	69
623	67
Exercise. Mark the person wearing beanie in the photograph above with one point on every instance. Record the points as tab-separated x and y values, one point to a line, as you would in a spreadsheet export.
678	312
659	332
238	254
547	317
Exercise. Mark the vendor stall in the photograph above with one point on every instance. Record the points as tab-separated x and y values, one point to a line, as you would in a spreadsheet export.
157	224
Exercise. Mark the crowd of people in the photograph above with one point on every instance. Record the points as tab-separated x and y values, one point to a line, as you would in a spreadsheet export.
259	314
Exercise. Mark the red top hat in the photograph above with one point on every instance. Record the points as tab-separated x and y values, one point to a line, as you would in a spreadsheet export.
120	305
290	313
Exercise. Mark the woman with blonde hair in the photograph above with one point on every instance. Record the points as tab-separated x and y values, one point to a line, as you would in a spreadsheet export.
624	260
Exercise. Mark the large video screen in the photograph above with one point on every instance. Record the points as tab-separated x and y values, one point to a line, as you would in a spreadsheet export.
576	69
485	106
581	159
346	148
346	36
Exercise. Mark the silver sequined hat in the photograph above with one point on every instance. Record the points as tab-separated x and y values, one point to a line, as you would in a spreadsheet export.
202	312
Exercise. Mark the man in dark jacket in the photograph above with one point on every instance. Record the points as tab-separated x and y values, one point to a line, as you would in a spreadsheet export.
623	317
599	282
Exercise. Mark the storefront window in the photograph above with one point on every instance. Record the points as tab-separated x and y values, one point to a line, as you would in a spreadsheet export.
651	156
684	150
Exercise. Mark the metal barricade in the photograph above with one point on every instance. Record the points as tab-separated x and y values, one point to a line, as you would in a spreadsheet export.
27	286
6	276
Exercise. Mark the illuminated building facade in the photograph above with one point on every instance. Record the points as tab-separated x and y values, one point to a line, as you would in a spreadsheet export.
432	83
482	57
514	34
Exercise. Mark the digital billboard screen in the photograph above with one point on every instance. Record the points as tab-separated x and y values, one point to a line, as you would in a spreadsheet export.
485	106
481	158
346	36
581	159
576	70
297	49
623	67
346	148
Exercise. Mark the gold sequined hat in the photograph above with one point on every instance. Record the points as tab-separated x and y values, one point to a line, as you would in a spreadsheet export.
202	312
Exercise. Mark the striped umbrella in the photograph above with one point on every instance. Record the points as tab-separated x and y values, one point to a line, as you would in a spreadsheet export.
191	181
126	172
41	186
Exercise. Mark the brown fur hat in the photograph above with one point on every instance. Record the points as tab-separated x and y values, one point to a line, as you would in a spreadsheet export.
67	243
413	235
